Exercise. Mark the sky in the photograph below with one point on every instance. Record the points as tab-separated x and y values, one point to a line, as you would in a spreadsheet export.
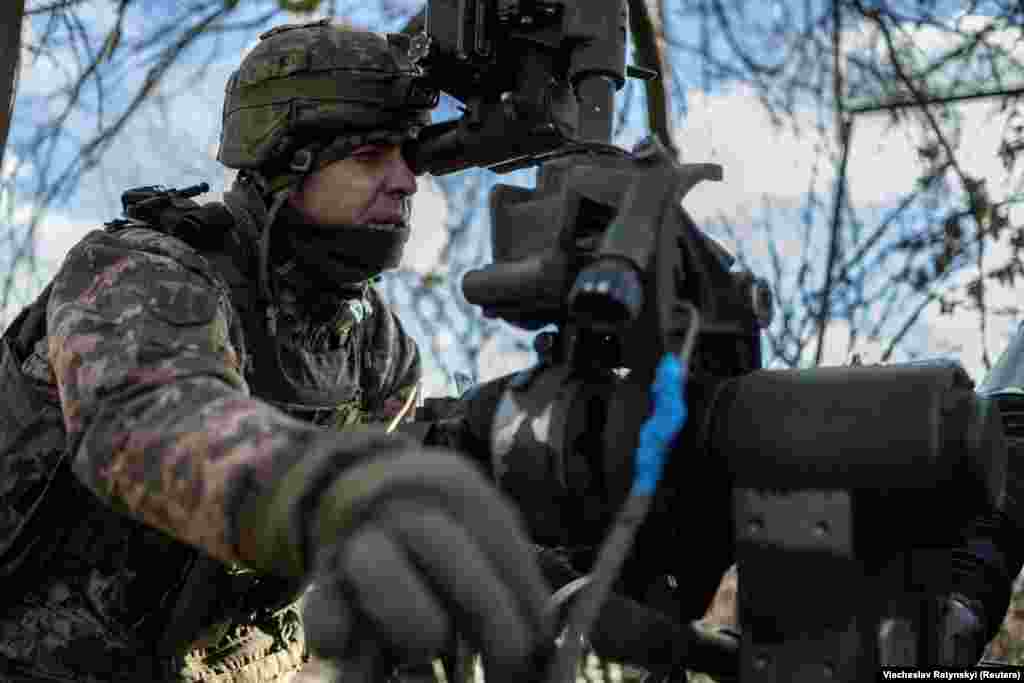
761	161
177	146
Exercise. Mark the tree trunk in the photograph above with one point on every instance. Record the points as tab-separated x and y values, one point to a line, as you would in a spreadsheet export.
11	14
649	53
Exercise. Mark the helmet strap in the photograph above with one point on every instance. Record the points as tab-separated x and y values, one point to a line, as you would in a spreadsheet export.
280	188
265	282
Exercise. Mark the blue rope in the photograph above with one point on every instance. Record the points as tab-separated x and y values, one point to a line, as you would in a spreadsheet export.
666	421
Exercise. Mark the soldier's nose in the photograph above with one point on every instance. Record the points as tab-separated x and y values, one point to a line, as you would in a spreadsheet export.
401	179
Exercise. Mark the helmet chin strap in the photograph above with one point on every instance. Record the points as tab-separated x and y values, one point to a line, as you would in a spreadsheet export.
277	190
265	281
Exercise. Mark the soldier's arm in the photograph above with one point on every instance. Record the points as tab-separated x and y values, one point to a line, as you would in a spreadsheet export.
157	412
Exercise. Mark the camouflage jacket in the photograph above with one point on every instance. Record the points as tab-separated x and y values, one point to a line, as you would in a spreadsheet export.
140	412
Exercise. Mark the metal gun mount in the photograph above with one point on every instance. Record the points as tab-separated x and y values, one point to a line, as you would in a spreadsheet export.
808	478
537	80
601	236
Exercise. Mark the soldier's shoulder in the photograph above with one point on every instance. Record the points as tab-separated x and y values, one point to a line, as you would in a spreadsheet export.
141	241
144	237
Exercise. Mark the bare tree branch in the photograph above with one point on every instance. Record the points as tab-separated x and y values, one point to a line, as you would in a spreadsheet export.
844	129
52	7
646	43
88	156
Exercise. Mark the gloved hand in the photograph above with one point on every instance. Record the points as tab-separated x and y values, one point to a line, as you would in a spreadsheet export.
961	636
412	547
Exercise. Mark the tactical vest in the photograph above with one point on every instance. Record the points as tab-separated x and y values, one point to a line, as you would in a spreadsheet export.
198	596
271	367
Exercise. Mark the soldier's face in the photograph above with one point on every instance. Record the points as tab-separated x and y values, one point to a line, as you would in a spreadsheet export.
372	185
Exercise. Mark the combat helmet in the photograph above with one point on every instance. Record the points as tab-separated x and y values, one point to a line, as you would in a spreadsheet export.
303	86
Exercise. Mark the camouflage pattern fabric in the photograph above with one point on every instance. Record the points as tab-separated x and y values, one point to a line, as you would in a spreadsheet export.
146	353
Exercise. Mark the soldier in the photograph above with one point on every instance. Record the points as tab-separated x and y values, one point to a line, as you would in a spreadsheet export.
183	440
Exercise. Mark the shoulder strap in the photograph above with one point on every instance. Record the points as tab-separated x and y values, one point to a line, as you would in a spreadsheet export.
202	226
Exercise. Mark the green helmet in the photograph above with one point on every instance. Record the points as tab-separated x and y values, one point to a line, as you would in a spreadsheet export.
316	82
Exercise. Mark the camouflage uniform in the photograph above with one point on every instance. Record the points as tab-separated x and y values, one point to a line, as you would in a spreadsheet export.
140	408
146	353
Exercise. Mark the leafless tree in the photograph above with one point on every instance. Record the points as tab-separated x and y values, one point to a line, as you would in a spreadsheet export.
90	63
843	61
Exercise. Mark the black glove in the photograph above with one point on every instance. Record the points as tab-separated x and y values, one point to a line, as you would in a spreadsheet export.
411	548
961	637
